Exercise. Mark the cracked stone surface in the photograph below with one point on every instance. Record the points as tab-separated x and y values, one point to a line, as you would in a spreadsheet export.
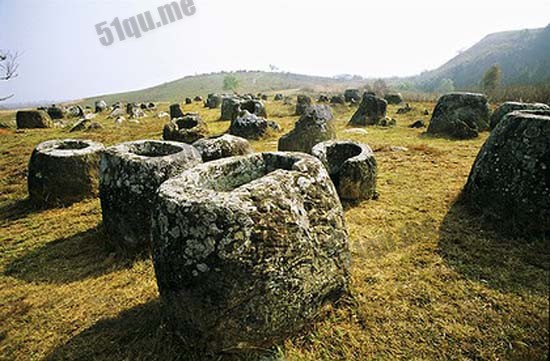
131	173
460	116
315	126
222	147
247	249
62	172
510	179
351	166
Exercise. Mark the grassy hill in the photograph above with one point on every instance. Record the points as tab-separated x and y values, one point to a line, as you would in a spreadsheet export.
249	82
523	55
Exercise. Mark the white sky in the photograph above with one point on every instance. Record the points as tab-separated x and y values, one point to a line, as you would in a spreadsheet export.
63	58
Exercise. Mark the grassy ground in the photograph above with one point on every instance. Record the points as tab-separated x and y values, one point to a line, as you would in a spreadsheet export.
429	282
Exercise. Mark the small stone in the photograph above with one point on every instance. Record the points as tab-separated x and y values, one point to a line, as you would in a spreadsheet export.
418	124
358	131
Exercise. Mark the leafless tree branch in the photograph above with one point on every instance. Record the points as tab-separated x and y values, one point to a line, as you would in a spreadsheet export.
8	68
9	65
6	98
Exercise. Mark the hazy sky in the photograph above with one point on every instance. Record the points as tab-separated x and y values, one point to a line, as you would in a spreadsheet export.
63	58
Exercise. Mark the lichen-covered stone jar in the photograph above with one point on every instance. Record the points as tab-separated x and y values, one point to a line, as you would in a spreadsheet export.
130	176
62	172
510	180
247	249
352	167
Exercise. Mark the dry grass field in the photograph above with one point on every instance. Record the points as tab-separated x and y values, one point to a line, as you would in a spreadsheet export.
429	281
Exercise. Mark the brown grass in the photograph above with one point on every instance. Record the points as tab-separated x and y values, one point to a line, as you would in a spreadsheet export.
429	282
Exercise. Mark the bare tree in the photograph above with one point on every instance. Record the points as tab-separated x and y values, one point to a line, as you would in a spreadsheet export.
8	68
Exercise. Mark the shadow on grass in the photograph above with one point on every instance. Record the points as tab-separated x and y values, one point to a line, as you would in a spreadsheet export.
16	210
480	253
136	334
84	255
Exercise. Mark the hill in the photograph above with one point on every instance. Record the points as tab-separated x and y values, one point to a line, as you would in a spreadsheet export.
523	55
249	82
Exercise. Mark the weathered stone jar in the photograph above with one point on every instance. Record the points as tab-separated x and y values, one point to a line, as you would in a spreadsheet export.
229	109
251	126
460	116
213	101
30	119
247	249
314	126
352	95
130	176
510	180
394	98
62	172
351	166
175	111
509	107
303	102
371	111
187	129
